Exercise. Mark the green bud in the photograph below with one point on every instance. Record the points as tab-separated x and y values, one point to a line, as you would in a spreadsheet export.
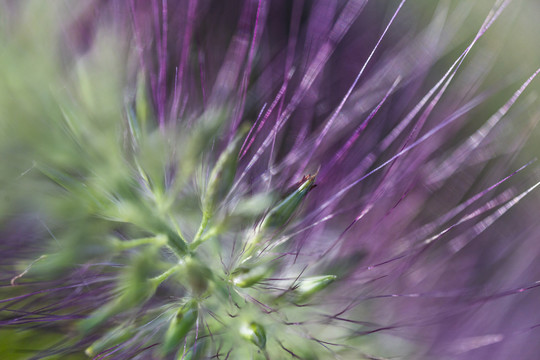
282	212
308	287
245	277
113	337
180	325
254	333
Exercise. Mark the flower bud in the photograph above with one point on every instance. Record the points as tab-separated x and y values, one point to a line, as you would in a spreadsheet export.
254	333
308	287
180	325
282	212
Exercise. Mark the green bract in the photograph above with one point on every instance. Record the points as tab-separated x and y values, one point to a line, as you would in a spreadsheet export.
283	210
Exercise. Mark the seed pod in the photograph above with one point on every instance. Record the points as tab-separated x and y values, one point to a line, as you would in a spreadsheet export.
282	212
310	286
180	325
254	333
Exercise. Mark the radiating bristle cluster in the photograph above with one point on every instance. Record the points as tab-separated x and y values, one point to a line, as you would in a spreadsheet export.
265	180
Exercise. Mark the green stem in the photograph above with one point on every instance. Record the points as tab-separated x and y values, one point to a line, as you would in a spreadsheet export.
162	277
198	239
158	240
214	231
